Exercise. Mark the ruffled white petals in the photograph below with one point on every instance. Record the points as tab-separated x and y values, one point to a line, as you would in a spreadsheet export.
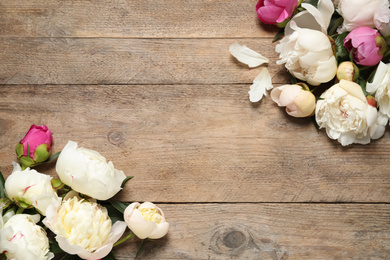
378	129
146	220
246	55
260	85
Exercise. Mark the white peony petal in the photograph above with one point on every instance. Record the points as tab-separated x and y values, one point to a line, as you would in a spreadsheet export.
372	115
378	130
379	75
260	85
246	55
160	231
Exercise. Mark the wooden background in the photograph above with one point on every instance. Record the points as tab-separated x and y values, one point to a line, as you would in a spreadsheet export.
151	85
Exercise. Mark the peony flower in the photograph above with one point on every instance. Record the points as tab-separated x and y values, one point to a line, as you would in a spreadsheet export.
87	172
358	13
276	12
346	115
366	44
246	55
260	85
146	220
382	20
83	228
21	238
307	55
380	86
35	147
347	70
30	188
299	102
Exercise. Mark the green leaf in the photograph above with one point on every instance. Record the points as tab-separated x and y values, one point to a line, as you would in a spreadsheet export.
110	256
141	248
114	214
5	202
54	156
313	120
2	186
278	35
125	180
335	22
312	2
341	52
120	206
293	80
70	257
54	247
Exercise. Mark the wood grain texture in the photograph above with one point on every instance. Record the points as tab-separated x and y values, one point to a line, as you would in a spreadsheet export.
135	19
196	143
270	231
130	61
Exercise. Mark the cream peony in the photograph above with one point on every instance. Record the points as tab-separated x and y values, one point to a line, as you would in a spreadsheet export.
345	113
21	238
299	102
83	228
380	87
29	187
146	220
307	55
87	172
358	13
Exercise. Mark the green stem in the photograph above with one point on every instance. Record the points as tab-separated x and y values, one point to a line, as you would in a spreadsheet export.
20	210
124	239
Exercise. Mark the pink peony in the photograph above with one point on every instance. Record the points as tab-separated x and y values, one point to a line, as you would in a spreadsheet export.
366	44
35	147
276	12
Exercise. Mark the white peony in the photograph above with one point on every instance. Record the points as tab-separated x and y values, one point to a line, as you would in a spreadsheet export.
380	87
29	187
307	55
345	113
358	13
86	171
83	228
21	238
146	220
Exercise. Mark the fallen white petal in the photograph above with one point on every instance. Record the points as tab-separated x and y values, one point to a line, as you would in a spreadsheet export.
260	85
246	55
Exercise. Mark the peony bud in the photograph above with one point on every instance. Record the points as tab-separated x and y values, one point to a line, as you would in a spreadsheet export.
367	46
146	220
35	147
298	100
276	12
347	70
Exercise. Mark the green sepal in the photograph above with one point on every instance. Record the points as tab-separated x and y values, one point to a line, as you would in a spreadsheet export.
19	150
278	35
57	184
23	204
5	202
26	162
41	153
126	180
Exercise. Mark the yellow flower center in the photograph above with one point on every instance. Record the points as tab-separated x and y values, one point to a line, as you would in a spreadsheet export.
151	214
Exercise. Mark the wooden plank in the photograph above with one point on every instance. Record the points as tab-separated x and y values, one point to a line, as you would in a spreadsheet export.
136	19
269	231
198	143
129	61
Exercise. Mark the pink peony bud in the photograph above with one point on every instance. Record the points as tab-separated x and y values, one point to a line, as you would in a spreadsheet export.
366	44
35	147
276	12
371	101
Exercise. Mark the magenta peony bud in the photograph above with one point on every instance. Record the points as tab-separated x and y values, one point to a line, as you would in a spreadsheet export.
366	44
276	12
35	147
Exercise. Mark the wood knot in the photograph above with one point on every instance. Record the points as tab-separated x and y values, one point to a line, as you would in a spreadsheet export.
230	241
116	138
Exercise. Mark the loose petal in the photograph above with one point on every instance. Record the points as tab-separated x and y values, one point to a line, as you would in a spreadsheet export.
246	55
260	85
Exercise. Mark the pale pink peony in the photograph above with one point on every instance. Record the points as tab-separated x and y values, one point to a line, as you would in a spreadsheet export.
366	45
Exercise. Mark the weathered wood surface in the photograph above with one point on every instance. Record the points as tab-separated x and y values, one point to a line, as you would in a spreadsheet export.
271	231
191	143
151	85
129	61
135	19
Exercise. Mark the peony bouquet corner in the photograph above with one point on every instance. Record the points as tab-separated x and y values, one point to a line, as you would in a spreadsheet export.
337	54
